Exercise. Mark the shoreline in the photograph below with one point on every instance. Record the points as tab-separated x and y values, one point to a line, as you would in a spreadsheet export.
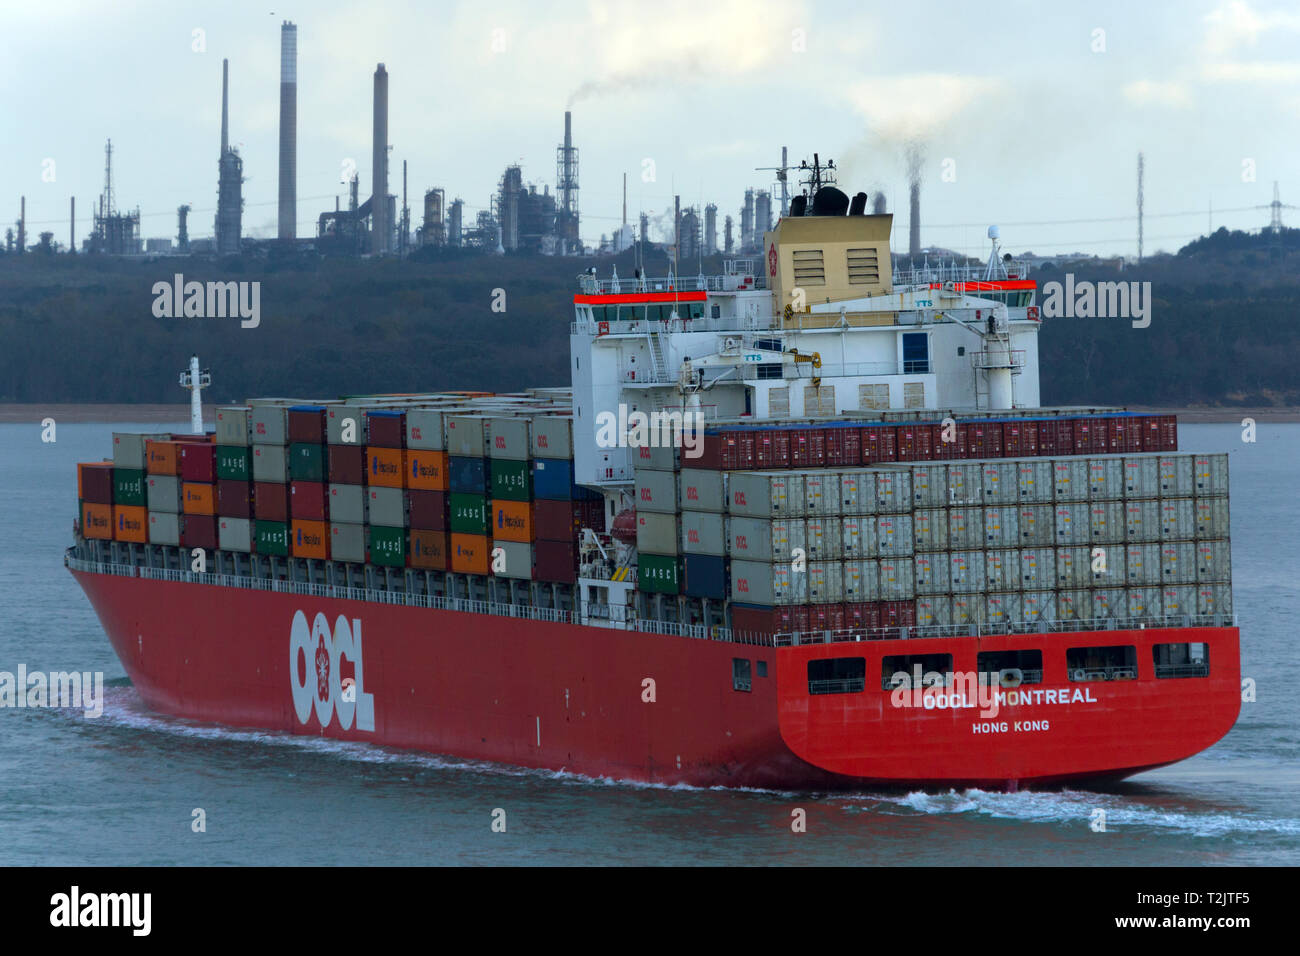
179	414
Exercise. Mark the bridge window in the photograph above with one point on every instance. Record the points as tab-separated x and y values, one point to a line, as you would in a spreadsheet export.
740	674
1181	660
912	665
1028	662
769	370
837	675
916	353
1115	662
762	668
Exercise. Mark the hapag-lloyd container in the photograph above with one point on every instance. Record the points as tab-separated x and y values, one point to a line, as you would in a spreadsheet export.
656	533
765	539
427	470
764	494
656	491
703	532
428	549
700	490
858	534
510	521
861	579
386	467
766	583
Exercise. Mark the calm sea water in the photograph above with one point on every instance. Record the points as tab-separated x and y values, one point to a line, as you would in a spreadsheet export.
121	789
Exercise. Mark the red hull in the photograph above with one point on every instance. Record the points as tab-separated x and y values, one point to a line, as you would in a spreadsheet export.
569	697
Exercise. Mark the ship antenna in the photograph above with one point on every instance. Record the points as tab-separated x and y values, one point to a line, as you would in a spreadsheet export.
196	381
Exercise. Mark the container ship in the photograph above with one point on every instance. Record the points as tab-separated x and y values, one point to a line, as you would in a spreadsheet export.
801	525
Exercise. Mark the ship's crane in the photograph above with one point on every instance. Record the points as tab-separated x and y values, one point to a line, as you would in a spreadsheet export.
815	358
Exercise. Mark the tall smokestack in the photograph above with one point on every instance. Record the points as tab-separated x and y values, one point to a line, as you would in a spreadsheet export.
22	225
288	132
72	227
914	237
379	177
225	106
878	203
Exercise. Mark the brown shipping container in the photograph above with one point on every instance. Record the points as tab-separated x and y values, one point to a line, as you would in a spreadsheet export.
555	520
271	501
95	482
428	510
199	531
198	462
428	549
309	539
307	501
96	520
307	426
386	430
555	561
198	499
347	465
235	499
470	553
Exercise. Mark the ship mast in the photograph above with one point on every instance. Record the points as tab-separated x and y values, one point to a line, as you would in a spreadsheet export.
196	382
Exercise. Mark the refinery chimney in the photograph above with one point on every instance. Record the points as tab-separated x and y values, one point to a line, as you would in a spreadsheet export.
379	225
914	221
288	132
230	178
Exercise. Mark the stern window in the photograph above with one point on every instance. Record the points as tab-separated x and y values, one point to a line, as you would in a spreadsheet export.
1116	662
837	675
1181	660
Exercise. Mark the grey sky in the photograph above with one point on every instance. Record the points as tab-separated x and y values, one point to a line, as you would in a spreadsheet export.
1039	125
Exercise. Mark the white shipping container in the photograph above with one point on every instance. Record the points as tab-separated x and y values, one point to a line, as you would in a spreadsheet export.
163	493
553	438
893	490
1001	570
968	609
1142	565
858	492
423	430
771	584
1141	521
1177	519
894	535
1175	476
656	491
932	572
271	463
1106	522
825	537
1034	481
766	539
933	610
1212	517
1073	523
930	529
1211	474
347	542
1081	566
1036	524
1144	602
386	507
700	490
861	580
1141	476
965	528
966	571
1038	606
821	492
1178	562
1073	605
655	533
965	484
518	559
1001	526
929	485
1213	562
1003	608
1109	603
234	534
270	424
465	436
1105	478
1070	479
659	457
825	582
165	528
897	579
1037	569
858	534
234	425
703	533
1000	482
508	439
347	504
1214	599
1178	601
763	494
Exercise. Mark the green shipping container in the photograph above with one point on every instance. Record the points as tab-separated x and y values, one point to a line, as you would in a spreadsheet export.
511	480
128	487
388	546
306	462
234	463
469	514
658	573
272	537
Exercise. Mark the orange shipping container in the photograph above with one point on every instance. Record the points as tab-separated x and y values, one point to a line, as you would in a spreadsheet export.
386	467
163	457
470	553
512	521
131	523
198	499
96	521
429	549
309	539
426	470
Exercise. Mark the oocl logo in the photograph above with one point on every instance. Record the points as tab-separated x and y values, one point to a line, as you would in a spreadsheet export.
315	673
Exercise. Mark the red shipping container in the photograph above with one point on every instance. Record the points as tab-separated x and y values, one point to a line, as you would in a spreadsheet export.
307	426
807	448
347	465
862	614
715	451
1031	439
1100	437
429	510
941	450
198	462
993	440
199	531
556	520
834	445
95	482
772	449
386	431
1012	439
746	449
1168	433
555	561
897	614
1082	436
308	501
271	501
826	617
1046	436
234	499
1149	432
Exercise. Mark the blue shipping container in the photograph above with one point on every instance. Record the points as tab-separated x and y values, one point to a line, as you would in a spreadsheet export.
467	476
706	576
553	478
